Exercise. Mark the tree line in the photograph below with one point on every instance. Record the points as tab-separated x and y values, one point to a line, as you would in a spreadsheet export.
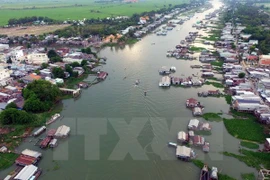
256	21
26	20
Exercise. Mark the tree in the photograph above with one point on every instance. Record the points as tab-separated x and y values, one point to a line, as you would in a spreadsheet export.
11	105
75	64
58	72
51	53
56	59
84	62
14	116
44	65
33	104
68	69
44	91
241	75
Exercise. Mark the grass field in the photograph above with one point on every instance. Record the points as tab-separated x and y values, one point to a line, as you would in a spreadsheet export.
63	10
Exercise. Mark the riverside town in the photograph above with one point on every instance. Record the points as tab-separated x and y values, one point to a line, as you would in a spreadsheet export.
169	89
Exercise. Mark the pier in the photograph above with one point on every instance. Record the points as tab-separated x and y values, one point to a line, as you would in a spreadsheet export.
75	92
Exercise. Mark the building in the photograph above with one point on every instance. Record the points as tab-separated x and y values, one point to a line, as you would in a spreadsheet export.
26	173
264	60
197	111
37	58
193	124
62	131
198	140
165	81
30	78
267	144
191	102
4	77
182	137
28	152
183	153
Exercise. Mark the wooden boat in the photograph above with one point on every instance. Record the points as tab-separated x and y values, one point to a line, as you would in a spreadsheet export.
172	144
53	118
205	173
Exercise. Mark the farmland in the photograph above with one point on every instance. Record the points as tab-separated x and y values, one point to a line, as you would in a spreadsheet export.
36	30
64	10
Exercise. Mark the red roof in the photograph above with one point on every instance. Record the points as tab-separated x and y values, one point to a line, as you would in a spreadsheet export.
51	132
25	160
252	57
45	142
192	101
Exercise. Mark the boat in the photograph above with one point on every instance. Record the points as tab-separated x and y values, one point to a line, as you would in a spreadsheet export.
39	131
137	82
164	71
214	174
53	118
204	173
172	144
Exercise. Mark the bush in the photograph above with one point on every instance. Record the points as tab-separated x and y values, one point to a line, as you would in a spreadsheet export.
12	105
241	75
14	116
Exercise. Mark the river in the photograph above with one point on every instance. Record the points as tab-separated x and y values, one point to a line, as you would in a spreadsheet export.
114	117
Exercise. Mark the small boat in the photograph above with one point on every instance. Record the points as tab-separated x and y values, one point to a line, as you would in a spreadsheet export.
172	144
204	173
214	174
53	118
173	69
137	82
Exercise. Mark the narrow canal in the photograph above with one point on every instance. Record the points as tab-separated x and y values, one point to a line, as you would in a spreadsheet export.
115	117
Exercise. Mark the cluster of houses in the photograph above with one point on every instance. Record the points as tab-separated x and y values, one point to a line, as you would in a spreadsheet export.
21	66
28	159
186	153
195	105
251	93
167	80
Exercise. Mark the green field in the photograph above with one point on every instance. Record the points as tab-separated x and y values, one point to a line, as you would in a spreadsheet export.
64	10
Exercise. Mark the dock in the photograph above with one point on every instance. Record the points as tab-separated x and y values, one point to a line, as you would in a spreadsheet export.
75	92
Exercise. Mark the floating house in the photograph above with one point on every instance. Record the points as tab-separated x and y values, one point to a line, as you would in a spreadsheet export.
197	111
35	154
51	132
23	160
193	124
206	147
28	157
198	140
53	143
205	126
182	137
62	131
165	81
184	153
45	142
191	103
29	172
